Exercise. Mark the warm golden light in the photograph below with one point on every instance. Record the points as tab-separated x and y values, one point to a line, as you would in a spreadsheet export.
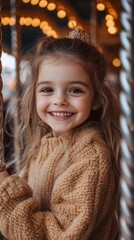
49	33
43	24
109	17
34	2
12	21
54	34
26	1
5	20
61	13
35	22
110	23
51	6
116	62
100	7
43	3
22	21
72	23
46	29
112	30
28	21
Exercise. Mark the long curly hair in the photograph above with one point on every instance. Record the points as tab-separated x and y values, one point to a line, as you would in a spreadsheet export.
105	118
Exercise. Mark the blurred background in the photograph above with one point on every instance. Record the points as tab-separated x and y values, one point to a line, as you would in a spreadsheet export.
35	18
23	22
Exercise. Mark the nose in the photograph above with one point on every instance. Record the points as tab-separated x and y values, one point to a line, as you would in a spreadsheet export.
60	99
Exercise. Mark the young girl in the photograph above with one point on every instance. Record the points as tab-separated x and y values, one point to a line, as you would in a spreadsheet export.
68	185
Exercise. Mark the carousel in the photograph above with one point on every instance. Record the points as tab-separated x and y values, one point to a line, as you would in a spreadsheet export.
110	25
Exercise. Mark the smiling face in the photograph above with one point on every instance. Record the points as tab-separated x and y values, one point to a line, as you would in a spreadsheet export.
64	95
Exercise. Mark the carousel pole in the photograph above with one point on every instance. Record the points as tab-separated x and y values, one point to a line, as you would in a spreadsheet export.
1	105
93	22
16	52
126	98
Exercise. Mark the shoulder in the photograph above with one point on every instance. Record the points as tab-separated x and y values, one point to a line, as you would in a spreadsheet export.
90	161
91	150
90	139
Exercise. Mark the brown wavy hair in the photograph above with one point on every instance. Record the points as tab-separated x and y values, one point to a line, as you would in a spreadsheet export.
105	118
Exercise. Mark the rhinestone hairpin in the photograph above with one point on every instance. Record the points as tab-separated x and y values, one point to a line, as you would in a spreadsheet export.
80	34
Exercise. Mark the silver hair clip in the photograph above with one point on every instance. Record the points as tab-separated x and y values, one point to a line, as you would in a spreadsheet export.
80	34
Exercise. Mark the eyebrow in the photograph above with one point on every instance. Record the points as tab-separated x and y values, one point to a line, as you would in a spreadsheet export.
79	82
71	82
43	82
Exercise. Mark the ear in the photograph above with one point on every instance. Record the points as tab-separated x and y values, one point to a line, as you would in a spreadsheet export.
96	105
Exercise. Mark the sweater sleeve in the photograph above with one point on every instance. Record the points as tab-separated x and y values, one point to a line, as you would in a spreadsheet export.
78	198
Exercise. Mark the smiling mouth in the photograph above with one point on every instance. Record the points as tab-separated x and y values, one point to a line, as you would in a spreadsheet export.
61	114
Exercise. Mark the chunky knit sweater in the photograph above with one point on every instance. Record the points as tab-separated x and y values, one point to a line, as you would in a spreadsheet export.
58	198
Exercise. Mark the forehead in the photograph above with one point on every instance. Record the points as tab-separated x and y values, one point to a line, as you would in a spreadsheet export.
61	63
60	58
62	70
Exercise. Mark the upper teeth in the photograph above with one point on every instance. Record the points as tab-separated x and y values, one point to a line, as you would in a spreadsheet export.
61	114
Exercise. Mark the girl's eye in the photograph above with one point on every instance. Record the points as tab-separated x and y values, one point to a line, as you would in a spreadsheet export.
47	90
75	90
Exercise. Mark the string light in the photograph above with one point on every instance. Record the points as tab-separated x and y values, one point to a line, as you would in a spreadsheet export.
22	21
72	23
34	2
51	6
61	11
28	21
43	3
43	24
61	14
46	29
12	21
112	30
5	21
116	62
100	6
110	23
109	17
35	22
25	1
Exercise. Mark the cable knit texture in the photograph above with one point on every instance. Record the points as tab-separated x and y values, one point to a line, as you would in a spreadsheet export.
55	199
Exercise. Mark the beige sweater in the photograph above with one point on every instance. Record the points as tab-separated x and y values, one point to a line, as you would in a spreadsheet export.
58	201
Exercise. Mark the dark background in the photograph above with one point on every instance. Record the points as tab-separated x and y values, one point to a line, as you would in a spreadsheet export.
81	9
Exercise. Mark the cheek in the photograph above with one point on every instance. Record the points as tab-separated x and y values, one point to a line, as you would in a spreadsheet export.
41	104
87	108
83	105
